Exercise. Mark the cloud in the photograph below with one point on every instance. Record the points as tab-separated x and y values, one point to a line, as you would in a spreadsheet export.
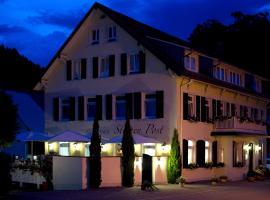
62	19
38	48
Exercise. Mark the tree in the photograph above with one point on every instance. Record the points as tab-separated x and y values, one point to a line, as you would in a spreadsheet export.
16	71
8	119
174	160
128	156
5	177
241	43
95	157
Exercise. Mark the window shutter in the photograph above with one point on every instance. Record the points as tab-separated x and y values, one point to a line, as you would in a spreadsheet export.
95	67
234	151
111	65
142	61
72	108
81	108
69	70
214	108
159	104
233	113
203	109
185	153
200	153
214	153
123	64
219	112
99	107
185	106
129	105
198	108
108	106
56	109
137	105
83	68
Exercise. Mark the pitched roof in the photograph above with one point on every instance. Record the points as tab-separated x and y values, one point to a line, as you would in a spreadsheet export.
166	47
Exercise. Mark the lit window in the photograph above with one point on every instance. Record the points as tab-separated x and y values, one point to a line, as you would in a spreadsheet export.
150	149
207	151
95	36
104	67
91	108
87	150
120	107
66	109
190	63
190	151
112	33
150	105
134	63
63	148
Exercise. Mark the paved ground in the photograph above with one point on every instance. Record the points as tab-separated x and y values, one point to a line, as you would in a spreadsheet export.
232	190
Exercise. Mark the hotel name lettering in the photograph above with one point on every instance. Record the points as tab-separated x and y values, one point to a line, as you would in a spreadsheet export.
148	129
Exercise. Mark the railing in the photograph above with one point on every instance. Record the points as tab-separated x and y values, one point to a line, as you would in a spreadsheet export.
237	124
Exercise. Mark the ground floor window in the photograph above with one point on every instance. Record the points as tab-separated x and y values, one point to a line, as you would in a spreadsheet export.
191	158
63	148
150	149
207	152
87	150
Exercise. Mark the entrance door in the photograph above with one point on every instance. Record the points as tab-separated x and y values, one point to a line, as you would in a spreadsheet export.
250	165
147	168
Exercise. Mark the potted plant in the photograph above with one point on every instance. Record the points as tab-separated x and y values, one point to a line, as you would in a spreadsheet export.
182	181
214	180
223	179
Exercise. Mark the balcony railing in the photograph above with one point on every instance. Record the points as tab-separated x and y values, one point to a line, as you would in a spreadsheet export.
236	124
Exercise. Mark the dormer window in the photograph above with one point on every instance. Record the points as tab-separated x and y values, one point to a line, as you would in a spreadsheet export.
95	36
111	33
190	63
219	73
235	78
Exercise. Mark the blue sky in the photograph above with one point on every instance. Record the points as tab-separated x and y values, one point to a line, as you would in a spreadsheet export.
37	28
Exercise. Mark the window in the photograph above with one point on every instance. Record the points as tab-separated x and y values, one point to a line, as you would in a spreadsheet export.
77	70
190	106
63	148
104	67
207	108
95	36
150	149
220	73
190	151
207	152
134	63
257	86
235	78
190	63
87	150
66	109
120	107
91	108
112	33
150	105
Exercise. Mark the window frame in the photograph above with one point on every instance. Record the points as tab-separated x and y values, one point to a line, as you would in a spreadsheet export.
91	102
136	63
120	100
112	33
102	73
190	62
65	102
95	36
150	98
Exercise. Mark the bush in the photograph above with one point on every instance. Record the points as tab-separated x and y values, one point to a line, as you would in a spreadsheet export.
5	177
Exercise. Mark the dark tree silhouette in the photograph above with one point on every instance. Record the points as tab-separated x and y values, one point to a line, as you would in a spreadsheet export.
95	157
16	71
243	43
5	177
174	160
8	120
128	156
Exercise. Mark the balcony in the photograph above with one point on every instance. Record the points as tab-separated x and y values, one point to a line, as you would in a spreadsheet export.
238	126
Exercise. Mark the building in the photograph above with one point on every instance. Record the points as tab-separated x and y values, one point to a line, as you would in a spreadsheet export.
28	122
112	63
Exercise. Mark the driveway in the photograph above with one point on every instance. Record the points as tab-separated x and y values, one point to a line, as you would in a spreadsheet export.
241	190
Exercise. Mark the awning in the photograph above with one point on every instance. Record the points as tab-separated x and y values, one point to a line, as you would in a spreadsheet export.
237	133
138	139
70	136
32	136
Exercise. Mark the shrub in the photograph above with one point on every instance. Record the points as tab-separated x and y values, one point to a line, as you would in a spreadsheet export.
5	177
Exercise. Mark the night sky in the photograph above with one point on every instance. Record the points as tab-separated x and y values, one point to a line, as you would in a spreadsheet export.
37	28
